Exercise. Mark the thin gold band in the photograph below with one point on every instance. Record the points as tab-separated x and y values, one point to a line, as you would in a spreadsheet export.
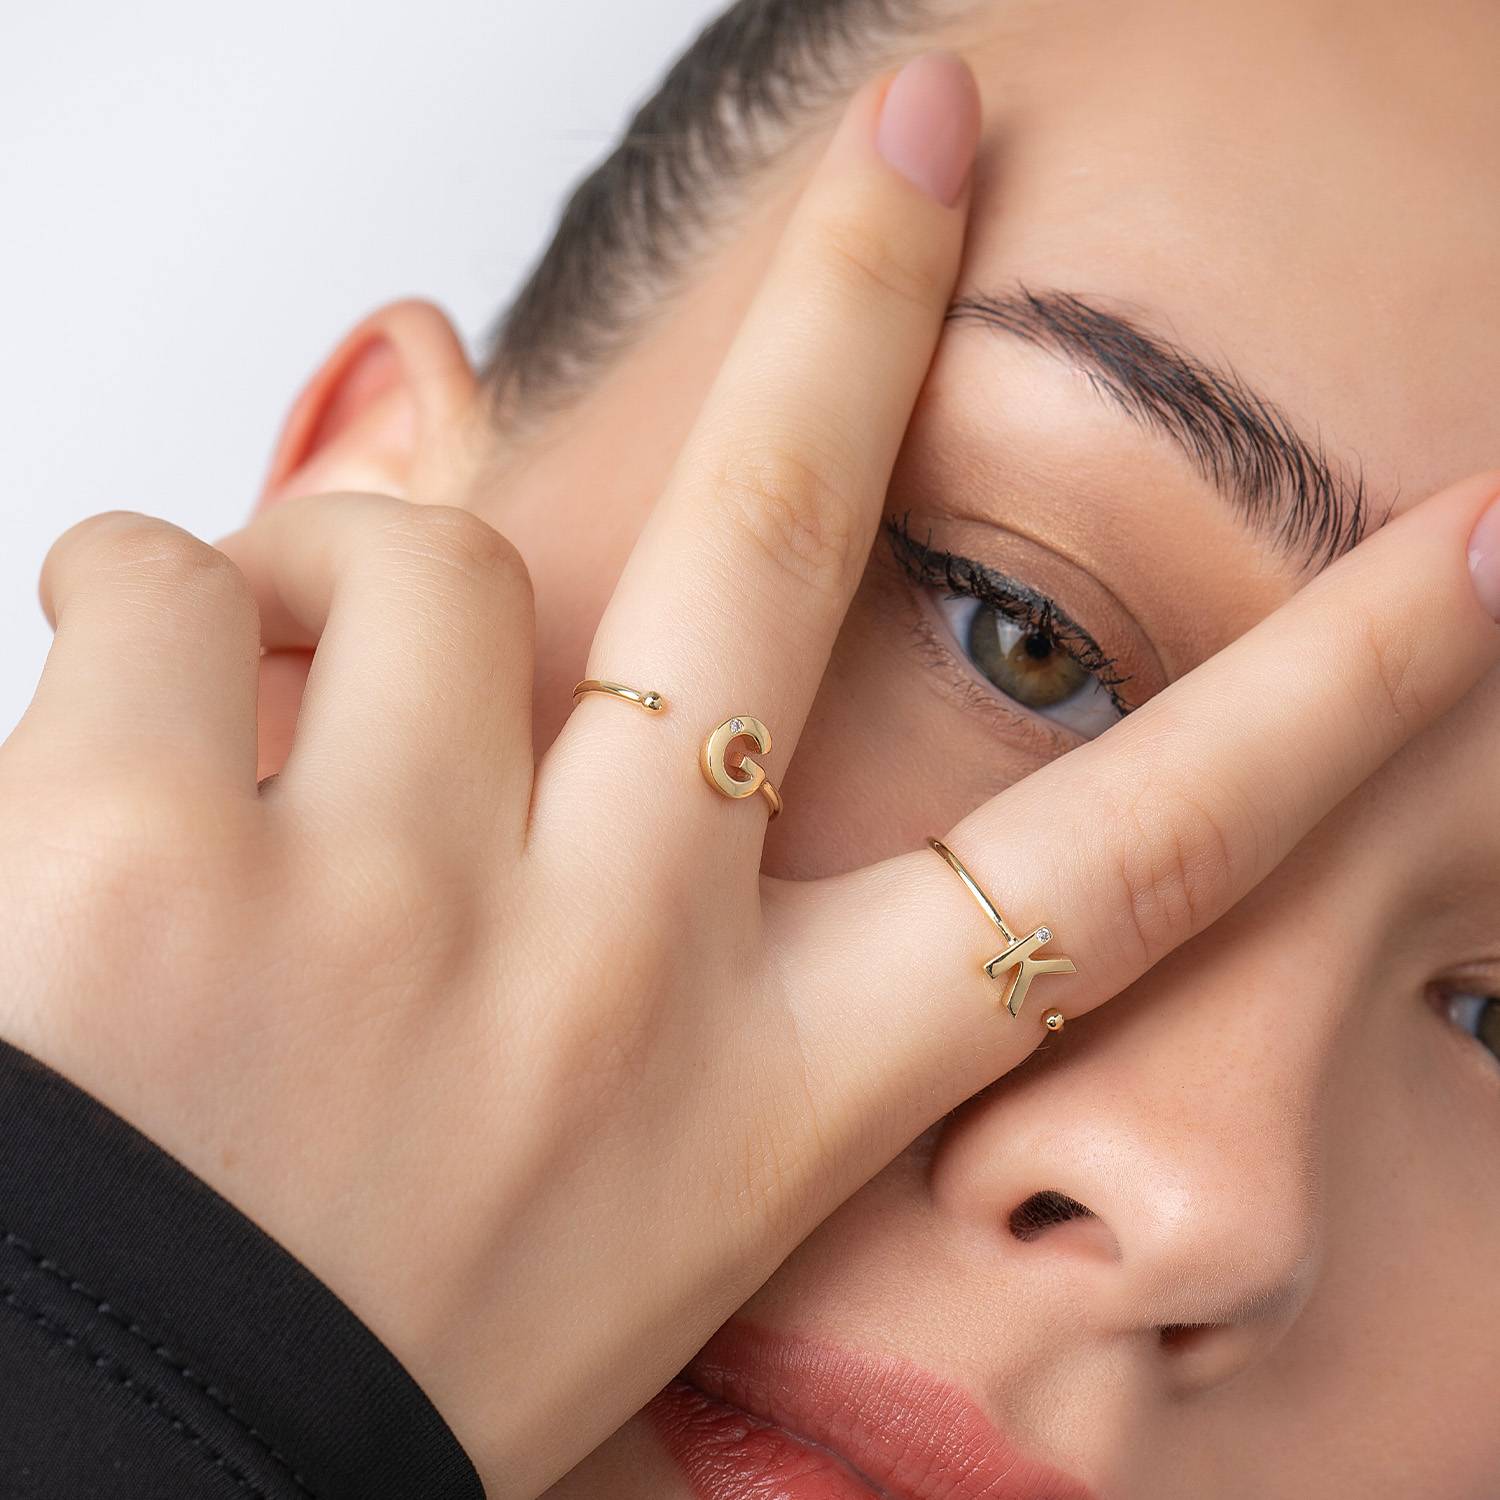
1018	955
650	700
985	904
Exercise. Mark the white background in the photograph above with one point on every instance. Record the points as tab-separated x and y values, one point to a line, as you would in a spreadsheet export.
197	200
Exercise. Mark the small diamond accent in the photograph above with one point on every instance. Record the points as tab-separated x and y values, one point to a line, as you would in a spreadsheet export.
1044	934
736	725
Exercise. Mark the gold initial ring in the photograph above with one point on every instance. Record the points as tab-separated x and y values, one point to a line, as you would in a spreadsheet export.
1018	952
751	777
651	701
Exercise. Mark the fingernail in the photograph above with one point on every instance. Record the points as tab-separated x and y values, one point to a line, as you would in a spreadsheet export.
929	124
1484	559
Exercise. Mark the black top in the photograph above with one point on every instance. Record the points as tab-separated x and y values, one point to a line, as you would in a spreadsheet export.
156	1345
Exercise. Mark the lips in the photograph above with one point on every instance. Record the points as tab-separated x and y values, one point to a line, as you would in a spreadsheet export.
758	1416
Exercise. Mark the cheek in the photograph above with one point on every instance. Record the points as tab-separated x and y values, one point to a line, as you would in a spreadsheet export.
1407	1296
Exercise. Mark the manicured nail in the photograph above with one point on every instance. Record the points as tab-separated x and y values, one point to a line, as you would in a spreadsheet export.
1484	559
929	124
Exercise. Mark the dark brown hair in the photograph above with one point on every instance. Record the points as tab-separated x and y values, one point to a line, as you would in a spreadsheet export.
731	101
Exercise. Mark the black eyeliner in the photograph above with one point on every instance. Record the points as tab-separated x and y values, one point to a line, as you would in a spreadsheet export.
963	577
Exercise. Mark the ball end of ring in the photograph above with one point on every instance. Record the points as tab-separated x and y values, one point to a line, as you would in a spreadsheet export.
1053	1020
651	700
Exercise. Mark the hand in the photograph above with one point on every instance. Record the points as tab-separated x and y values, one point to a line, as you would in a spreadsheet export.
529	1063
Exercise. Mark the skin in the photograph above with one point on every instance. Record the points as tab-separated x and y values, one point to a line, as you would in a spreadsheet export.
1228	170
1278	1109
1277	1131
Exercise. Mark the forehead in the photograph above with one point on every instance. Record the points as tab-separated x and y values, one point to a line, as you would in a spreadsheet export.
1306	191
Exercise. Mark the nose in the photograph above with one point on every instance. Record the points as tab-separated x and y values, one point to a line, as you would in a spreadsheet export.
1152	1174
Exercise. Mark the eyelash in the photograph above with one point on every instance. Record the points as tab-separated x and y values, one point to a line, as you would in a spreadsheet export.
934	568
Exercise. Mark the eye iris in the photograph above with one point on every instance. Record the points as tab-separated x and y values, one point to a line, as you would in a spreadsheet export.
1028	665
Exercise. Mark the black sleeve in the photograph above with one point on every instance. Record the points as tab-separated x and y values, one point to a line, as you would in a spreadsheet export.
156	1345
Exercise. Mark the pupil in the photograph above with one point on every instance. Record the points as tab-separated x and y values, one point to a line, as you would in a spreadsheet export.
1028	667
1488	1028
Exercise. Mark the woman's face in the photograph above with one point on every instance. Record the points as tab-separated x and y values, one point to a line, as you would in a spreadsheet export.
1287	1132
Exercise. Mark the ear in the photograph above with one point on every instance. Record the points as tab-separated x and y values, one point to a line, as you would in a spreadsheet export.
385	406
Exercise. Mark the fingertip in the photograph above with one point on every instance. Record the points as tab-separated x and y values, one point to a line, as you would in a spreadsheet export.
929	124
1483	554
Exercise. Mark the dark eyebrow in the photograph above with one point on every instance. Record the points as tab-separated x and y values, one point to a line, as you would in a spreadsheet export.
1282	483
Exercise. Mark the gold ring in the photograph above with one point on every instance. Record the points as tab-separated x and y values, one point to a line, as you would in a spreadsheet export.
1017	953
752	777
651	700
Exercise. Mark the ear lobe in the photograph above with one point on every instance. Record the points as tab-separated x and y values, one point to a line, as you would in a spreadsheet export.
390	396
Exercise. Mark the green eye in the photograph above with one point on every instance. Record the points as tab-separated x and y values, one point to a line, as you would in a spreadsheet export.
1030	666
1019	640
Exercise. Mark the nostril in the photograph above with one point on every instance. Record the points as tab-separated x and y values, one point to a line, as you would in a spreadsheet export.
1042	1210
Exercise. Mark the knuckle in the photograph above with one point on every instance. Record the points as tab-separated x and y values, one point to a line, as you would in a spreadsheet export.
1174	866
139	819
795	510
1389	658
164	557
126	858
871	261
452	540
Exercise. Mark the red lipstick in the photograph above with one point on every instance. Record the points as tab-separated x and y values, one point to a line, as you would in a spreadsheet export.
758	1416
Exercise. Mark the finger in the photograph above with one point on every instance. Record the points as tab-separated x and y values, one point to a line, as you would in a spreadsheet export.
154	656
1131	844
730	603
419	696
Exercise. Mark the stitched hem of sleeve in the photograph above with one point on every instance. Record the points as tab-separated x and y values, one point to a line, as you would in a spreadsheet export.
173	1284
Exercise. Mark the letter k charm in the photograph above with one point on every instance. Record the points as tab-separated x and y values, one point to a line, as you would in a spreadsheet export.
1017	956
